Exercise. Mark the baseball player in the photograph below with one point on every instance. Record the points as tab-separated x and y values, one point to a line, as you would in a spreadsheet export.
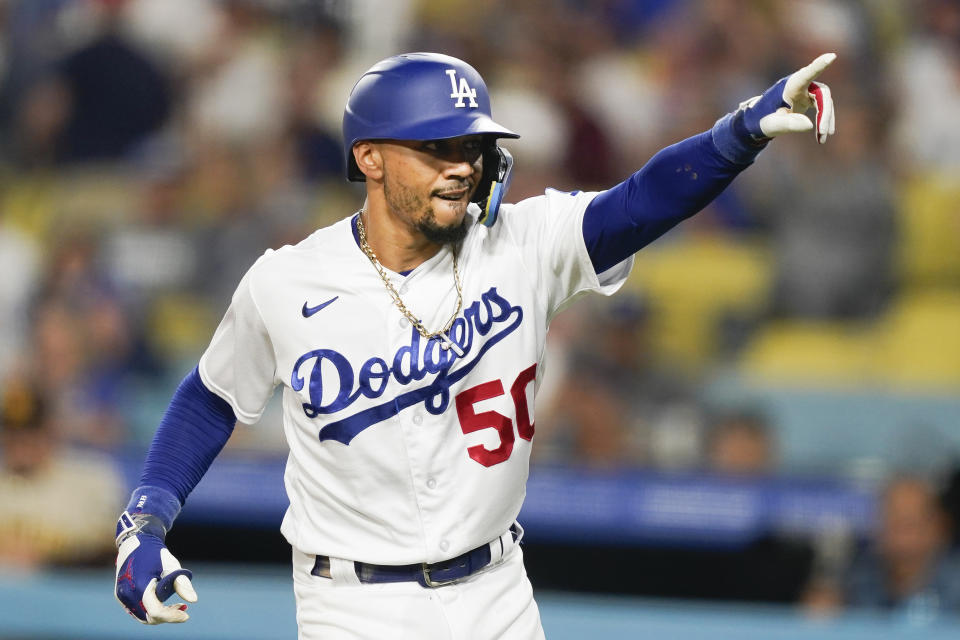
407	339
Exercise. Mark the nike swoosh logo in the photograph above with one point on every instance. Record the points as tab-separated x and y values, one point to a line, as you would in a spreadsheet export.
309	311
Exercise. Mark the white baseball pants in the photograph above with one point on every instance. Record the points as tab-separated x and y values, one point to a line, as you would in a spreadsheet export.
494	604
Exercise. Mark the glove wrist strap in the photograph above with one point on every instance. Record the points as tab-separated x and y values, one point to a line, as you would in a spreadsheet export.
151	510
139	523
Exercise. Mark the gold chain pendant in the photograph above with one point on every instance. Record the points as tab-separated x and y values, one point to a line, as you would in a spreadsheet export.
444	333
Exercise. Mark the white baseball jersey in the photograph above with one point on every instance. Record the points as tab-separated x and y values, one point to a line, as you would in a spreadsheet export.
401	451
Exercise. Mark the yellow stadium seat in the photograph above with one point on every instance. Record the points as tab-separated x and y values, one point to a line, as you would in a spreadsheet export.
929	231
691	284
914	347
810	353
918	342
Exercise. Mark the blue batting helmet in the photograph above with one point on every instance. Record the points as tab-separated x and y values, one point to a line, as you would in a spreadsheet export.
427	96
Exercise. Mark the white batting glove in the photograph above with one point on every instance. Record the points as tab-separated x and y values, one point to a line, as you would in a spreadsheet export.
781	108
148	574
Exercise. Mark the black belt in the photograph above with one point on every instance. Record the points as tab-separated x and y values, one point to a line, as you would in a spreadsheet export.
427	575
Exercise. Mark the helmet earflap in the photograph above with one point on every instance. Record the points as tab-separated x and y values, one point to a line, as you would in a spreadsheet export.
497	171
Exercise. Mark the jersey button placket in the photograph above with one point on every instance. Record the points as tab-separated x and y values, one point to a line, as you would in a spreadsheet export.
398	333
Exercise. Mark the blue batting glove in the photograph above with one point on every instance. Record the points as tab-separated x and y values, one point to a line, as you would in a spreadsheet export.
147	573
781	108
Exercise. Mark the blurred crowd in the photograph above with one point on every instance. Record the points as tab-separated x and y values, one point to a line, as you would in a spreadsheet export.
151	151
909	569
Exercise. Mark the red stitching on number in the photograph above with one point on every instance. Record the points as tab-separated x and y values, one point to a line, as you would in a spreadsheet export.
518	390
471	421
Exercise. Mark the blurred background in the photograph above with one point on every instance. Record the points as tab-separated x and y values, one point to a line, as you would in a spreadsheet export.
758	436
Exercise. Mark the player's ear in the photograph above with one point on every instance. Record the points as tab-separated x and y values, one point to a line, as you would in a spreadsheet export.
369	159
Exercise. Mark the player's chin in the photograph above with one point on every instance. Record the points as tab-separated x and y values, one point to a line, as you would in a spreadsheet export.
443	227
447	212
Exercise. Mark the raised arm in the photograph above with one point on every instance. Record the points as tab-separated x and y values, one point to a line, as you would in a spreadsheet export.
683	178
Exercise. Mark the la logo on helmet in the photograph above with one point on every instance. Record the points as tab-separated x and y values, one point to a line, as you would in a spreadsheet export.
461	92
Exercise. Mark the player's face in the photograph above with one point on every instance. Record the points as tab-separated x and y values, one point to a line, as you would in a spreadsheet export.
428	184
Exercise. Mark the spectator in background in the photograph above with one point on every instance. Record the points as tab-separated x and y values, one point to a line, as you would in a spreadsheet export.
85	92
833	239
951	503
19	264
314	54
38	527
116	95
83	343
926	68
615	406
741	446
909	570
155	251
741	443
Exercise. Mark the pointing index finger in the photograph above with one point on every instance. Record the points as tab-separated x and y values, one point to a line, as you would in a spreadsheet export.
798	82
815	68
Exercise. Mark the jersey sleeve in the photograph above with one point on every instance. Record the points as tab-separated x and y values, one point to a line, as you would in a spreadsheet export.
240	363
548	231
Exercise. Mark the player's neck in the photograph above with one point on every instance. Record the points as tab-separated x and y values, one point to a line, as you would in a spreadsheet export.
397	246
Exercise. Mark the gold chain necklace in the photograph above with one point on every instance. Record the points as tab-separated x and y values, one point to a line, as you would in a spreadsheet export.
443	333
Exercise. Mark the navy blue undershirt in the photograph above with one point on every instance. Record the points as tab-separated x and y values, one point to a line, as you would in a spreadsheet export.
675	184
193	430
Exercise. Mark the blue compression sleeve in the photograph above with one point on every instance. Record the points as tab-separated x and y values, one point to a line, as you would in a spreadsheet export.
193	430
675	184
